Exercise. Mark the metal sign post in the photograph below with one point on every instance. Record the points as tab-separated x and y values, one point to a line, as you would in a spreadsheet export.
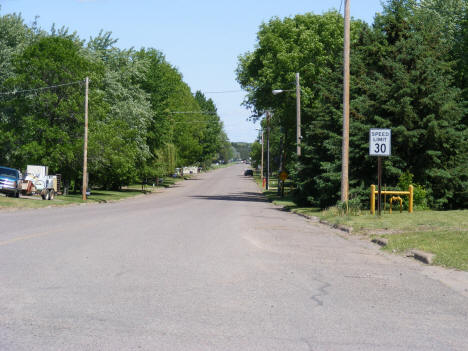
380	144
379	175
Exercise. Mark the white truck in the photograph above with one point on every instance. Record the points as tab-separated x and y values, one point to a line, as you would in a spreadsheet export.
36	181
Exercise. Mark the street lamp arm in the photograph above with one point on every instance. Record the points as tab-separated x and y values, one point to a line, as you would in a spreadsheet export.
279	91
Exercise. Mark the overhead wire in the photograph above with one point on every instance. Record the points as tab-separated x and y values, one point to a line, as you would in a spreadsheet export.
15	92
192	112
223	92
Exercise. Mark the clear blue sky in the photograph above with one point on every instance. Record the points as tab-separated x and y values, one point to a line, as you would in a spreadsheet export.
201	38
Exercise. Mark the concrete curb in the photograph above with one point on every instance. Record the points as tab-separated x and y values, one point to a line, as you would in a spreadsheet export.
312	218
343	228
380	241
422	256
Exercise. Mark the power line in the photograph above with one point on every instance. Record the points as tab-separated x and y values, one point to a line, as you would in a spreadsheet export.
15	92
192	122
192	112
223	92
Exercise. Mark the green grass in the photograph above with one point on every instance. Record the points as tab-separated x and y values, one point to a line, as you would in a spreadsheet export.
450	247
401	222
443	233
97	196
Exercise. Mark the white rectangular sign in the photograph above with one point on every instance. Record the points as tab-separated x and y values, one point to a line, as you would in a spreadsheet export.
380	142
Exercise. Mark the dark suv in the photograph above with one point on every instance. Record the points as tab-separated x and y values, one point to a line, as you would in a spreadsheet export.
10	181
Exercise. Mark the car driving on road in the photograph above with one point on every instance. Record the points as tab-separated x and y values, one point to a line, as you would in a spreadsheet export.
10	181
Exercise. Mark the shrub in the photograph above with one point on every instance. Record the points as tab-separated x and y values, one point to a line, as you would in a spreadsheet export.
419	194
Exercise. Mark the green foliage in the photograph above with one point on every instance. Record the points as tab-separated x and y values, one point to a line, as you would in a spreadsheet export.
46	127
226	151
14	37
419	192
256	154
135	131
242	150
407	73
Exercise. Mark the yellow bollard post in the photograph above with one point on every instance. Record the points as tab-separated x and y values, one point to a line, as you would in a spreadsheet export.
410	205
372	199
391	203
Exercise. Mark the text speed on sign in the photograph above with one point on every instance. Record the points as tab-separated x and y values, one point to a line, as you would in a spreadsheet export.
380	142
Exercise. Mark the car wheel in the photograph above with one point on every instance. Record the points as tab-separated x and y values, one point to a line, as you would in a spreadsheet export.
17	194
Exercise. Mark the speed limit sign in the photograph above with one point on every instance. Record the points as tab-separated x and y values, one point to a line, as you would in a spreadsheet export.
380	142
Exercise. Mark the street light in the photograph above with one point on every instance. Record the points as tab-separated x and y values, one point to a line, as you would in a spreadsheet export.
298	111
279	91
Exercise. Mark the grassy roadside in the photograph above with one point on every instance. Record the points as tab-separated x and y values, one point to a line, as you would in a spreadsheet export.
97	196
443	233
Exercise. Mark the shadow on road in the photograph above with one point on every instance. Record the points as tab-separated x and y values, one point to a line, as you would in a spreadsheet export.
245	196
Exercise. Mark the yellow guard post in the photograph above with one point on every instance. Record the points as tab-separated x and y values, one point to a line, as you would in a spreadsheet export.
396	198
409	193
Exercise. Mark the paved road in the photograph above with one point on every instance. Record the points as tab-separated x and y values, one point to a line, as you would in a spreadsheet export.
209	265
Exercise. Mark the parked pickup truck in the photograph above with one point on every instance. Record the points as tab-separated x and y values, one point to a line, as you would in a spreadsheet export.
10	181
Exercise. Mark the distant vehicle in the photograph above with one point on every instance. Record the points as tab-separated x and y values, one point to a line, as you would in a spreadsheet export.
248	172
10	181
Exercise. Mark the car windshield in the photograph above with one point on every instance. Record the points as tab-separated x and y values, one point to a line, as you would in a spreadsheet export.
5	172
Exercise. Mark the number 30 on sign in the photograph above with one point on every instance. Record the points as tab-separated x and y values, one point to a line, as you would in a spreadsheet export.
380	142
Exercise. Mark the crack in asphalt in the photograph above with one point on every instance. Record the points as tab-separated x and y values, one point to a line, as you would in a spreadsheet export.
323	292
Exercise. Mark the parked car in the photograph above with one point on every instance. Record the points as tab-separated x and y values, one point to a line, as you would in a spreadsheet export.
10	181
248	172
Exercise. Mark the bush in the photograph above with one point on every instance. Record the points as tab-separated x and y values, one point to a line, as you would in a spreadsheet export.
419	194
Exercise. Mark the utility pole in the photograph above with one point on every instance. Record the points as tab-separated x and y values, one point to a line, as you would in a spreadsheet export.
85	144
281	165
298	114
268	150
262	156
345	147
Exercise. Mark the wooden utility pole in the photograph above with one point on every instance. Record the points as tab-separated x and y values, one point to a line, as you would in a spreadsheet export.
345	147
262	157
85	144
268	151
281	165
298	114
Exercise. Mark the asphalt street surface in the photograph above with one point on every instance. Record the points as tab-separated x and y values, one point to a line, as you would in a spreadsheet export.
210	265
